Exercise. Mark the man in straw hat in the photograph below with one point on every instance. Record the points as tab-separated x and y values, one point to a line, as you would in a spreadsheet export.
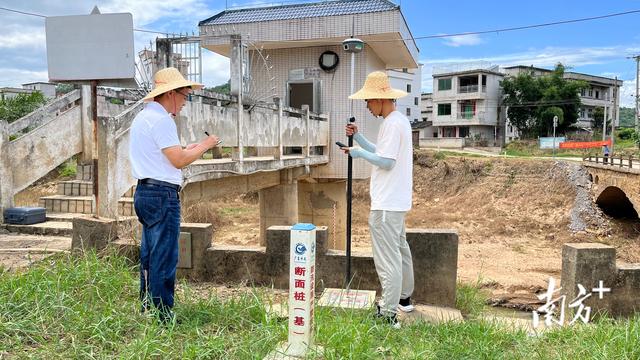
390	190
156	158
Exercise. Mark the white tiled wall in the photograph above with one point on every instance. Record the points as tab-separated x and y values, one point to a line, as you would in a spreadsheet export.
335	88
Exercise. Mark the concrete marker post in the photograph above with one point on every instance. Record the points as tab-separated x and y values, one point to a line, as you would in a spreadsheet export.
301	293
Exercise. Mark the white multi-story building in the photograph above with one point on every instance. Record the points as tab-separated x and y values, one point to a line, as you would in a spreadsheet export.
47	89
601	92
409	80
466	105
425	126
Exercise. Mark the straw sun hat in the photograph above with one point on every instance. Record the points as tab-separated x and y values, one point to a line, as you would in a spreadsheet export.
377	86
169	79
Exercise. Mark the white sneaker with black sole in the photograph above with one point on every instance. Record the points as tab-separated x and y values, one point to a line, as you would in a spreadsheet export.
405	305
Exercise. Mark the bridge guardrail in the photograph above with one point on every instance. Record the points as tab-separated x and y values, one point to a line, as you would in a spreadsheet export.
618	161
270	128
46	113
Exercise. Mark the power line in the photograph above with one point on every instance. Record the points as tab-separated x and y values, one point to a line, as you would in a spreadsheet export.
43	16
22	12
515	28
560	22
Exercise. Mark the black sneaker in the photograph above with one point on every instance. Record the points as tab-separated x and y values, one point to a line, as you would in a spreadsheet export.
389	319
405	305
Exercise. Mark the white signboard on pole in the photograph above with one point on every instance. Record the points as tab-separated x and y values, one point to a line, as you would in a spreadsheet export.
82	48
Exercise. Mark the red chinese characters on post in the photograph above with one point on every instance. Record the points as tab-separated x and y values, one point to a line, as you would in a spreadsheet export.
298	321
298	296
299	284
300	270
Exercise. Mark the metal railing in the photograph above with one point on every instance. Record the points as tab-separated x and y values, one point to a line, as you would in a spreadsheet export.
463	89
470	115
621	162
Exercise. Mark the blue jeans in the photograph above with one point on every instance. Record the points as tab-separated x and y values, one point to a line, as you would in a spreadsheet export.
158	210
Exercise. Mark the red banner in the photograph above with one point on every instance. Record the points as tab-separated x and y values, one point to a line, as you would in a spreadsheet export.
583	144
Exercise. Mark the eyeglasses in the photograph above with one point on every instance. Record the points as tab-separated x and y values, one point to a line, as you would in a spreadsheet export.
186	96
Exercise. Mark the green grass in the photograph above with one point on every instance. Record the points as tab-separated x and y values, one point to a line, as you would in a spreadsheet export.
233	211
87	307
470	299
440	155
69	168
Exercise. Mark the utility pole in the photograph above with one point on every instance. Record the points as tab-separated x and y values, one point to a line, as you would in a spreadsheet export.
637	58
604	123
555	124
614	114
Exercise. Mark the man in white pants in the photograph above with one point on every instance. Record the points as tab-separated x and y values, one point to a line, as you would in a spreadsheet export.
391	189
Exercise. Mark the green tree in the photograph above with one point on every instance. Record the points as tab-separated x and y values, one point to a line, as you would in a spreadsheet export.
598	117
62	89
627	117
14	108
519	92
222	88
545	120
533	101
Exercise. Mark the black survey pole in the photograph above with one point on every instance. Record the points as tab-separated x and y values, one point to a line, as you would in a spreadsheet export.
349	192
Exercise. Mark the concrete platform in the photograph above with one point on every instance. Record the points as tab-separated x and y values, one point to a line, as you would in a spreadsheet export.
20	251
516	324
347	299
50	228
431	314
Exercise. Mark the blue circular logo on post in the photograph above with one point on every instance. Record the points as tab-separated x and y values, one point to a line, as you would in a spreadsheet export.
300	248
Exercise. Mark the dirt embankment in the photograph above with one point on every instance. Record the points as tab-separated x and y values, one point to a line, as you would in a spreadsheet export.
512	217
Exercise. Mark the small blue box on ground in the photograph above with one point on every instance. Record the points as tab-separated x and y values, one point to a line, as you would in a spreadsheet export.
25	215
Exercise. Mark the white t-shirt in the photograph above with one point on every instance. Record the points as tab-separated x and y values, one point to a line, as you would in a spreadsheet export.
392	189
152	130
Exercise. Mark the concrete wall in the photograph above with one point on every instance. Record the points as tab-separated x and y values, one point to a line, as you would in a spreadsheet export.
589	263
451	143
435	256
45	148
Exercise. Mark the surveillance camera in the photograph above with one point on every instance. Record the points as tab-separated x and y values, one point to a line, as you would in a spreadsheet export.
353	45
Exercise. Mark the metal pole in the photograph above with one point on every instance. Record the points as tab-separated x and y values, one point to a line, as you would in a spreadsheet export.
637	91
604	123
94	118
555	123
613	115
350	181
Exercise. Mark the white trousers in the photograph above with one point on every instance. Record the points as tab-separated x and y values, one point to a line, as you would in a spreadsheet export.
392	257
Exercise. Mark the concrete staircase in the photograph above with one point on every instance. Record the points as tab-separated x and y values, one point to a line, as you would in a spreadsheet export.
74	198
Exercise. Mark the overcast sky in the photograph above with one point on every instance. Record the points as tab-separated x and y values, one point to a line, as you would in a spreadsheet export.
598	47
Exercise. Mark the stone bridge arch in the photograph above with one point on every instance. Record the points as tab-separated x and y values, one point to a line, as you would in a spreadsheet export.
616	190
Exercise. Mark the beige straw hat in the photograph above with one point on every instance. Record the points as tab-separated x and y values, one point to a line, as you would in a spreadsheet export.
377	86
169	79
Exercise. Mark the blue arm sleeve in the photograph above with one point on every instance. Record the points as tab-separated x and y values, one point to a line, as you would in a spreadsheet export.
381	162
364	143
